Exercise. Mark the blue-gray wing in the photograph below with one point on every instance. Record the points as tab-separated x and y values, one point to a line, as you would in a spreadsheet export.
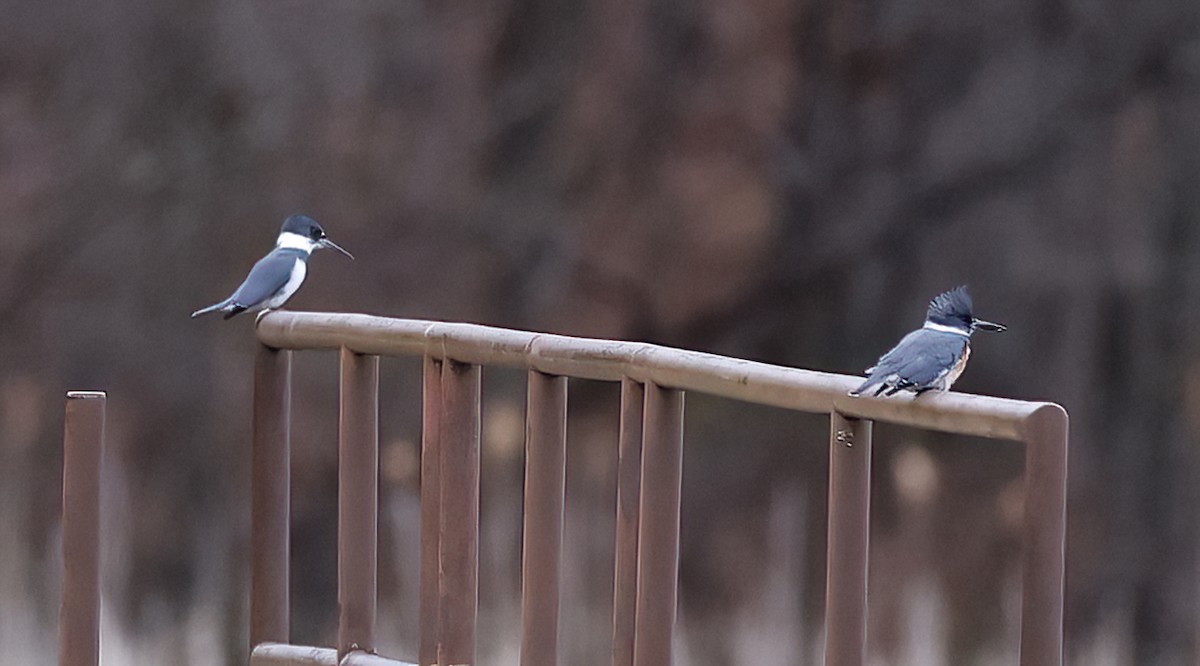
266	278
921	357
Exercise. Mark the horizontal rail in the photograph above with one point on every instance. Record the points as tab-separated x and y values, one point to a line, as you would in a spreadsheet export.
278	654
607	360
364	659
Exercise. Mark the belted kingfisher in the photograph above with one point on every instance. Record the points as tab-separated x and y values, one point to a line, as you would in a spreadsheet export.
933	356
278	275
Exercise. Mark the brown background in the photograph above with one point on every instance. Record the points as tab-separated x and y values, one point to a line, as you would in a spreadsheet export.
784	181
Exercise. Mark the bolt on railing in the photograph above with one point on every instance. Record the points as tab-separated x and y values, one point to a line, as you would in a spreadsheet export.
654	380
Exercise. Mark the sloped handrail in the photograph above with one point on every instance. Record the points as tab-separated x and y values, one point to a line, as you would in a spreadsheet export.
609	360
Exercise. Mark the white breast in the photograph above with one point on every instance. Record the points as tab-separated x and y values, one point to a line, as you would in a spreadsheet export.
285	292
956	371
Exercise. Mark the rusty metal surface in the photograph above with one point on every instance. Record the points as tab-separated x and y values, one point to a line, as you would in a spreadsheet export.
629	475
358	501
847	545
83	453
430	507
458	556
1045	538
790	388
541	548
269	496
658	526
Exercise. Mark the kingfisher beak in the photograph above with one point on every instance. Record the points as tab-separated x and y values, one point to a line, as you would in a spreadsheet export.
988	326
325	242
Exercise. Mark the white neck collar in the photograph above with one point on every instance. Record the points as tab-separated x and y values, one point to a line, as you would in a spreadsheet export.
933	326
290	241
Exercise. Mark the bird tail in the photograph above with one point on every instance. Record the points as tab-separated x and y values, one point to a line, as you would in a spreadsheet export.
863	387
212	308
234	310
866	386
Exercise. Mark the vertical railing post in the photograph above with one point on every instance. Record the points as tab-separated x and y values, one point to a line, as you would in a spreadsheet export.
541	548
430	508
83	452
849	519
270	469
358	501
458	584
1045	537
658	526
629	475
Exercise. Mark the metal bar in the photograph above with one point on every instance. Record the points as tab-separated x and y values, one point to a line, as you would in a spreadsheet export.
364	659
658	526
458	555
629	477
541	551
789	388
277	654
1045	537
849	519
358	501
83	452
430	507
270	463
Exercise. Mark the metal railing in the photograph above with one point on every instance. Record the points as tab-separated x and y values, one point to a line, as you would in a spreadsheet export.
653	381
83	455
650	449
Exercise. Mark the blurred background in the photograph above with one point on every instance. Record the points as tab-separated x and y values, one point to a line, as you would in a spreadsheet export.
783	181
